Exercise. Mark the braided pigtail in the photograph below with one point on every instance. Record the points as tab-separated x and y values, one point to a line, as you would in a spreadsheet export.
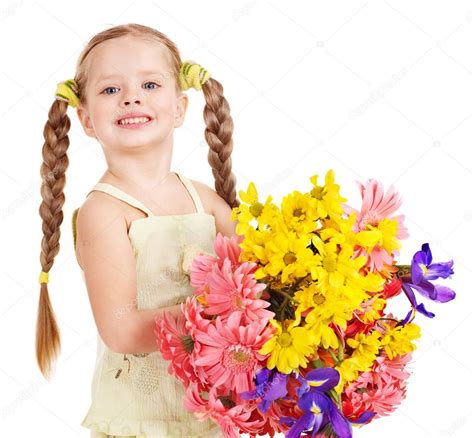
53	169
218	134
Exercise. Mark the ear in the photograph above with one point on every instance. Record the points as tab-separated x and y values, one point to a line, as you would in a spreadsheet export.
181	107
85	120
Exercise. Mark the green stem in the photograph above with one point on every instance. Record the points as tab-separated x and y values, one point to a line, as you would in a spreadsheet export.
287	296
336	397
282	308
340	352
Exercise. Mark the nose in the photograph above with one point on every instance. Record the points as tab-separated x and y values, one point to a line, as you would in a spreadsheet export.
132	95
136	100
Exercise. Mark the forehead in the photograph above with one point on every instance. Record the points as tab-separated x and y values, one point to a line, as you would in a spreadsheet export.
127	56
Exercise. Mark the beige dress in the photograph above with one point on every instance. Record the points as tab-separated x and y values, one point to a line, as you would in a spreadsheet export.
133	394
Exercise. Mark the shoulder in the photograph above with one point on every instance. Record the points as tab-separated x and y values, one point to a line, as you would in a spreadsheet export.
207	194
99	214
218	207
100	208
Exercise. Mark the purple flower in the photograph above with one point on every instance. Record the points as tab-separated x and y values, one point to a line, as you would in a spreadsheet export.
423	270
270	385
318	409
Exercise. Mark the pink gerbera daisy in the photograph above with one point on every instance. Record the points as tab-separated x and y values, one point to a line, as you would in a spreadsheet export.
230	419
377	206
229	352
225	248
379	390
176	345
236	290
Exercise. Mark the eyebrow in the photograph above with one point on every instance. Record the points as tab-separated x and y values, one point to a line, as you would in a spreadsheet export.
142	72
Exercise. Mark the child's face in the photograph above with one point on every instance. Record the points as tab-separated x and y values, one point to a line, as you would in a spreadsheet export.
131	90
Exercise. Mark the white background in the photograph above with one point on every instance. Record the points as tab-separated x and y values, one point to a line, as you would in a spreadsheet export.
371	89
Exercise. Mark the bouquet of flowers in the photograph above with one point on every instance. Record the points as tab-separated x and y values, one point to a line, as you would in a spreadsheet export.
287	330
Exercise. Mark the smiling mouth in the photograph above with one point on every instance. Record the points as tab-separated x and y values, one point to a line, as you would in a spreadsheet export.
134	122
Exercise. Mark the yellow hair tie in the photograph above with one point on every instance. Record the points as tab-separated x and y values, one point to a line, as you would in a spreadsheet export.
44	277
68	92
192	75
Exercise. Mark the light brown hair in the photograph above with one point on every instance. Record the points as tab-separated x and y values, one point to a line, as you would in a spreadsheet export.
218	135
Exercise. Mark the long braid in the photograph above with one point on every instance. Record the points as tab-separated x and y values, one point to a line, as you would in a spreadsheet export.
218	134
53	169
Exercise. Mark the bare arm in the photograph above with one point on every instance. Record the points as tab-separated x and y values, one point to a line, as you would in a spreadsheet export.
142	323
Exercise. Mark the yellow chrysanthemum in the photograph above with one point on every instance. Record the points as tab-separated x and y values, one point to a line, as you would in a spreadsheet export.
339	230
398	340
252	209
335	306
328	197
299	212
366	349
253	246
289	256
371	309
288	348
383	234
336	267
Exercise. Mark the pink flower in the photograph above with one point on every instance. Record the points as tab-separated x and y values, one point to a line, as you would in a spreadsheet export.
377	206
228	353
192	311
236	290
230	419
380	390
176	345
224	247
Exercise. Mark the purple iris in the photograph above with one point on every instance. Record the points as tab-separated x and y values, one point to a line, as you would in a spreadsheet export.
423	270
319	410
270	385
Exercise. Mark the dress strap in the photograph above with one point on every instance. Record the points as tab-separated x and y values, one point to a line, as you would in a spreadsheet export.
192	191
120	194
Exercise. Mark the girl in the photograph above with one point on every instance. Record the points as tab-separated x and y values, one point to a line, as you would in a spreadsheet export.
136	223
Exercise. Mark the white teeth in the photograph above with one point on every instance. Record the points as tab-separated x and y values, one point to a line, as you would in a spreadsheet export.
133	120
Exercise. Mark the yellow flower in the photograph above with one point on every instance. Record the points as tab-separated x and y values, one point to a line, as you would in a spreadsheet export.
324	335
289	255
366	349
253	246
252	209
299	212
398	340
366	346
383	234
328	197
288	348
371	309
336	267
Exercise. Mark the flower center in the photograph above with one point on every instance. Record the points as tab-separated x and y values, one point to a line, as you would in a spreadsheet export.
289	258
318	299
239	359
236	300
256	209
297	212
285	339
317	192
371	218
188	343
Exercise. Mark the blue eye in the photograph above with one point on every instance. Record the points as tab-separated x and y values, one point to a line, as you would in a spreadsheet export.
108	88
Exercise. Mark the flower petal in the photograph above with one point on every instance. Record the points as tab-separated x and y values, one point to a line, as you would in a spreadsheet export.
341	426
444	293
439	270
305	422
323	379
421	308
